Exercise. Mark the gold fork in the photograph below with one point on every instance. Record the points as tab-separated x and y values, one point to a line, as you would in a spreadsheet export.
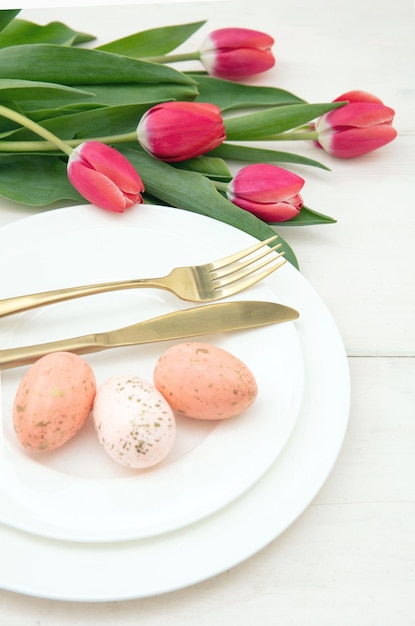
198	283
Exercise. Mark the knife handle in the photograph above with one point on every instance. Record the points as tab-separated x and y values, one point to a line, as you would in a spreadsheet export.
16	357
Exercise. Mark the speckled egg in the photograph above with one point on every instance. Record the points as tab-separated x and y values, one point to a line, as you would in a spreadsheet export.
53	401
134	423
204	382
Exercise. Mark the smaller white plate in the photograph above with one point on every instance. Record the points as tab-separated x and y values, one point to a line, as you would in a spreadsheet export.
77	492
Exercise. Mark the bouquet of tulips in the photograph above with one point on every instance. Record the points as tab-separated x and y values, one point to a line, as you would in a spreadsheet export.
117	125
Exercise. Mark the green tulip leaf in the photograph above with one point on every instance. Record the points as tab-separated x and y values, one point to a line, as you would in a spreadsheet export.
82	66
24	32
7	16
264	124
153	42
69	109
308	217
35	180
23	90
110	95
212	167
260	155
192	192
147	92
230	95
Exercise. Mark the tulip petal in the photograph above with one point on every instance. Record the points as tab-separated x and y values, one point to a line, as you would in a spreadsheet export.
263	182
268	191
112	164
241	63
177	131
237	38
358	96
96	188
236	53
359	114
104	176
270	212
354	142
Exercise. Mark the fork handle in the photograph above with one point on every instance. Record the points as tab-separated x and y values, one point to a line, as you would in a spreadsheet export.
18	304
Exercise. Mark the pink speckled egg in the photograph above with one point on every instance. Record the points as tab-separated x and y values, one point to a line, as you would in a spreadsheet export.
204	381
53	401
134	423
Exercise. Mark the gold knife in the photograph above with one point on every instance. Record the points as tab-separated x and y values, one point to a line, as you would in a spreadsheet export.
200	320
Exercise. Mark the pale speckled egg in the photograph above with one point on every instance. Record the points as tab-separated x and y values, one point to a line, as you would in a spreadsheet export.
134	423
53	401
204	381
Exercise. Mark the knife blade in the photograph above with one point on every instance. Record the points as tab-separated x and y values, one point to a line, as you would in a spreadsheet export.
200	320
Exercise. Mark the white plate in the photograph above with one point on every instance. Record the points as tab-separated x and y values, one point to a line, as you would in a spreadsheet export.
77	492
146	567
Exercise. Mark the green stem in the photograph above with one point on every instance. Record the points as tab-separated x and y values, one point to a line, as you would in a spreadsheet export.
48	146
174	58
295	135
36	128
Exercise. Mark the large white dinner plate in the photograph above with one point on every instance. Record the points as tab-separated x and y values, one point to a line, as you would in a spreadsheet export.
155	565
77	492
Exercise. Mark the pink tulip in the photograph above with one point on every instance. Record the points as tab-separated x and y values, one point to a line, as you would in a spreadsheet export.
177	131
361	126
236	53
269	192
104	177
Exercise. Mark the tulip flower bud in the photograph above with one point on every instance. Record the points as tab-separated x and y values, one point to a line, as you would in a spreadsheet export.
104	177
269	192
361	126
236	53
177	131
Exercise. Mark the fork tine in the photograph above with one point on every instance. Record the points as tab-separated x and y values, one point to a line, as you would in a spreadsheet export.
250	261
240	273
241	254
251	279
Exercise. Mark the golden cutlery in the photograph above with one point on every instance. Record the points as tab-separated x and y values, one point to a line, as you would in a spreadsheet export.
198	283
200	320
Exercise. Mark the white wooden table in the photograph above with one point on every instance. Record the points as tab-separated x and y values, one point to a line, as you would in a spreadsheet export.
350	557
